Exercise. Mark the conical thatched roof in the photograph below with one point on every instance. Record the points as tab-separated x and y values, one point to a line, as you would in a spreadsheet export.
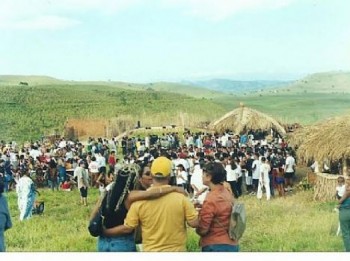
244	118
326	140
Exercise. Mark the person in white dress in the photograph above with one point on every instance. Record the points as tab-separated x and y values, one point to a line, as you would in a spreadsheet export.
264	180
26	196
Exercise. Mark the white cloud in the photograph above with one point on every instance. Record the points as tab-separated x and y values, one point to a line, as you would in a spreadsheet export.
220	9
33	14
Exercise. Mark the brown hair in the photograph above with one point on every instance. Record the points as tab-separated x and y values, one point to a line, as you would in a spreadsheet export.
341	178
217	172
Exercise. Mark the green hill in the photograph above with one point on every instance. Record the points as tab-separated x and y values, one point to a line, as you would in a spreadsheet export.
27	112
10	80
329	82
45	104
185	89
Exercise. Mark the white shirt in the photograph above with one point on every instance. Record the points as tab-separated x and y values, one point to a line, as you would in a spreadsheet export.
256	171
35	153
101	161
183	179
340	190
230	174
184	163
197	178
290	162
197	181
62	144
314	167
93	167
264	170
112	145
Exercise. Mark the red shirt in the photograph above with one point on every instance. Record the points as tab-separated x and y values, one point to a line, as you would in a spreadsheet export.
216	206
111	160
65	186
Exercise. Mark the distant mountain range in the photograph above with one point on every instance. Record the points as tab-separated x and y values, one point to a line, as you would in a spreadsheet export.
237	87
326	82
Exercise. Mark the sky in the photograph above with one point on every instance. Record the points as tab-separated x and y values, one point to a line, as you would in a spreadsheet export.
146	41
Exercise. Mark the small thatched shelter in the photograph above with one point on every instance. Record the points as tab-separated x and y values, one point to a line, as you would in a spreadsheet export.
329	140
243	119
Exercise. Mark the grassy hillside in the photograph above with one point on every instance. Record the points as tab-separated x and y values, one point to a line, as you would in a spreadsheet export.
330	82
197	92
31	111
10	80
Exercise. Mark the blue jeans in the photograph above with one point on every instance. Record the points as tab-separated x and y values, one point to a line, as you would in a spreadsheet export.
124	243
220	248
272	189
53	184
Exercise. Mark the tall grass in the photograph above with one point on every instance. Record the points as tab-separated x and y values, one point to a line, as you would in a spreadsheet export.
295	223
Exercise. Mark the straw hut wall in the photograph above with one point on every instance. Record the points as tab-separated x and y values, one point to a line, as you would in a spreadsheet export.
329	140
243	119
325	187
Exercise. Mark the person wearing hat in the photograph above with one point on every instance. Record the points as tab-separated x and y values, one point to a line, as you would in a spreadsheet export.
83	181
162	220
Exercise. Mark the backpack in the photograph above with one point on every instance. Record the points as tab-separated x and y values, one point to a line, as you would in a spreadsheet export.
39	207
238	221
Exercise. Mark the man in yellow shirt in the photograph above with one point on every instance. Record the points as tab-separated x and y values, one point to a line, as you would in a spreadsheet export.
163	220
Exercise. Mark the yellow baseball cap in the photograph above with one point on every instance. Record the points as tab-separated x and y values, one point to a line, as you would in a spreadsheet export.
161	167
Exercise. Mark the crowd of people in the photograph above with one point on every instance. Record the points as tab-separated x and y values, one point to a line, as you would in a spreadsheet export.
192	179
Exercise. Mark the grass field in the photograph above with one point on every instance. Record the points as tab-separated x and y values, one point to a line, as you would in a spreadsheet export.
304	108
295	223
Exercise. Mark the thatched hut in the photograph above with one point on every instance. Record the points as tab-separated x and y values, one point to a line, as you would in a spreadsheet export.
243	119
329	140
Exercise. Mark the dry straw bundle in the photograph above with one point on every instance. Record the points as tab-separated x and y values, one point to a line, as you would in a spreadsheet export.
327	140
